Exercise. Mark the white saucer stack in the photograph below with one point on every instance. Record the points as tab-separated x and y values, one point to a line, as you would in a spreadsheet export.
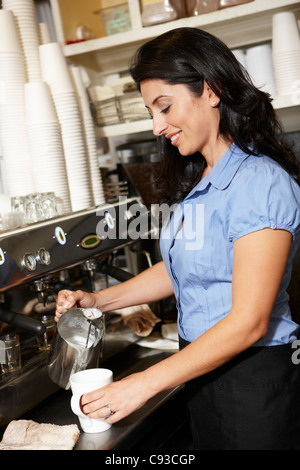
25	18
44	137
16	156
90	137
286	53
56	74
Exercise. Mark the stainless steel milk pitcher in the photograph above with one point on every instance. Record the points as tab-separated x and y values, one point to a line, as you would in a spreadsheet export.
76	345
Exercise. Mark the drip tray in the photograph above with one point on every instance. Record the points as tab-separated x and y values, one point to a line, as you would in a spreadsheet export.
22	390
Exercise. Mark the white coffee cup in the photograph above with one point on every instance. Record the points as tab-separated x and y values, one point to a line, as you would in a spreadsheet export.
83	382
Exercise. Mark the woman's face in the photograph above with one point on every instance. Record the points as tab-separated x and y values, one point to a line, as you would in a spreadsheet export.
190	122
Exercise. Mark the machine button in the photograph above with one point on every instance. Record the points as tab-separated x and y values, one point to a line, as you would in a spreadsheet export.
90	241
109	220
60	235
29	262
2	257
43	257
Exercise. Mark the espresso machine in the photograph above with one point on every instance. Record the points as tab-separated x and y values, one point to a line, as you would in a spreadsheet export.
38	260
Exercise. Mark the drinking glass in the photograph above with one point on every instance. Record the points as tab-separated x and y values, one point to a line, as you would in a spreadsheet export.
33	208
49	207
44	340
10	353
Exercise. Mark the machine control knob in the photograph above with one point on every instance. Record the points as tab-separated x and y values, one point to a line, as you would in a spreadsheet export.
60	235
2	257
29	262
43	257
109	220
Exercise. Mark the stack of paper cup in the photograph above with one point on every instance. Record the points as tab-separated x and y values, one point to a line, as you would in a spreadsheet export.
259	65
56	74
286	52
90	136
12	65
44	33
16	157
240	56
25	17
44	137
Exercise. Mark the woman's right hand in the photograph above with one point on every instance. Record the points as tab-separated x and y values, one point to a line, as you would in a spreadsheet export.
68	299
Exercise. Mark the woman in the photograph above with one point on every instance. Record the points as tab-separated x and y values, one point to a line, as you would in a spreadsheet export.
227	251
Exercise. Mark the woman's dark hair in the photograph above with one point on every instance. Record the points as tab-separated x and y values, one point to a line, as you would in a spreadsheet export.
189	56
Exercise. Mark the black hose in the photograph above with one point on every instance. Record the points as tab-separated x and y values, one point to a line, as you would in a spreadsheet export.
18	320
117	273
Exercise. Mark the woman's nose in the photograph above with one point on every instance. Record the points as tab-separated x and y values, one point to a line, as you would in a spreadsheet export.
159	126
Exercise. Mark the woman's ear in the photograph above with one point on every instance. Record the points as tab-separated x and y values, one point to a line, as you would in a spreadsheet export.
214	100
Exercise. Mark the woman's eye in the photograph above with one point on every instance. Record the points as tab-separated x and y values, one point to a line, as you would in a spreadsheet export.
165	110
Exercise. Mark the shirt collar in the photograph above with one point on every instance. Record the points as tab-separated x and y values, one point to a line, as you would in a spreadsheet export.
223	171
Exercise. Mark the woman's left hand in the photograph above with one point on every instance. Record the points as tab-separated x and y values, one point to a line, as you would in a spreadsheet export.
118	399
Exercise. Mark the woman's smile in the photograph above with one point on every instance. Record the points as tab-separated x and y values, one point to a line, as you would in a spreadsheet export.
174	138
190	122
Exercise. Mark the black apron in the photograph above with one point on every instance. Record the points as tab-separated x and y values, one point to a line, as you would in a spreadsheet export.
250	403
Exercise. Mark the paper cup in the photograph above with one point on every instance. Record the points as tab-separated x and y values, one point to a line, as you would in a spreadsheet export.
38	102
44	33
285	33
259	65
54	68
9	39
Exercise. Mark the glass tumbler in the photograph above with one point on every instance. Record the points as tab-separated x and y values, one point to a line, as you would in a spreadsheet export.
10	353
44	340
18	209
33	208
49	207
17	204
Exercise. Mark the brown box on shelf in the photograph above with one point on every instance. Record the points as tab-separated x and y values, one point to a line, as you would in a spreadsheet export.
232	3
198	7
159	11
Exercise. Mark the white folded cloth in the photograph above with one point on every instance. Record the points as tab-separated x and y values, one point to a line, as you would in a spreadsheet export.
28	435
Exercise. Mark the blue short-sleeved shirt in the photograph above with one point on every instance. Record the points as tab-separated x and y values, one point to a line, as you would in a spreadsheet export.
241	194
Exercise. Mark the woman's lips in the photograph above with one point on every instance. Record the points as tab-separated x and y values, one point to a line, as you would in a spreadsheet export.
174	138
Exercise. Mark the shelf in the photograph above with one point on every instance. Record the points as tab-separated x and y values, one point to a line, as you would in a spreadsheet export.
287	108
126	128
240	25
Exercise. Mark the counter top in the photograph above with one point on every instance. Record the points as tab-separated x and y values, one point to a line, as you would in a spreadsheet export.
146	428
